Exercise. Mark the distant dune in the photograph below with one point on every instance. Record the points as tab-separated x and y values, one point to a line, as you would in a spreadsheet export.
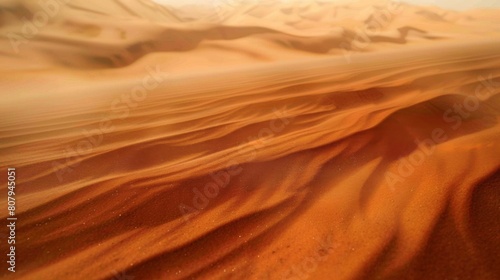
308	141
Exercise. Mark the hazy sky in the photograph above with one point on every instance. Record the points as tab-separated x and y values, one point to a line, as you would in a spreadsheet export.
449	4
457	4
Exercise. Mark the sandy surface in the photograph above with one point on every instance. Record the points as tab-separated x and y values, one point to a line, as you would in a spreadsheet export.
315	141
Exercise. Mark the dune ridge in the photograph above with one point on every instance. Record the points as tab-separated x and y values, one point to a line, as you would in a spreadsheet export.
260	142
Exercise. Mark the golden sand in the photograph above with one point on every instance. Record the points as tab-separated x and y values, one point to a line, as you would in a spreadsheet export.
316	141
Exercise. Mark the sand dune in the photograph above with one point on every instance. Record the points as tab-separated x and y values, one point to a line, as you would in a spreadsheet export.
319	141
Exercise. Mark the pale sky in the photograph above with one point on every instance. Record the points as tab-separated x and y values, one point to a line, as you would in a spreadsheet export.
458	4
448	4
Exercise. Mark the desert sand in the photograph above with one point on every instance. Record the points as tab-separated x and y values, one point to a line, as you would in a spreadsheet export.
272	141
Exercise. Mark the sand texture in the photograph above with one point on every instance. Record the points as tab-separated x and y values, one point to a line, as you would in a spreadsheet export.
271	141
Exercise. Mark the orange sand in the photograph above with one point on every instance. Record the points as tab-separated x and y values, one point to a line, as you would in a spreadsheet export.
309	116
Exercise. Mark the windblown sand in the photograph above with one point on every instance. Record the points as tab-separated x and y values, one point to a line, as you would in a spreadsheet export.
315	141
